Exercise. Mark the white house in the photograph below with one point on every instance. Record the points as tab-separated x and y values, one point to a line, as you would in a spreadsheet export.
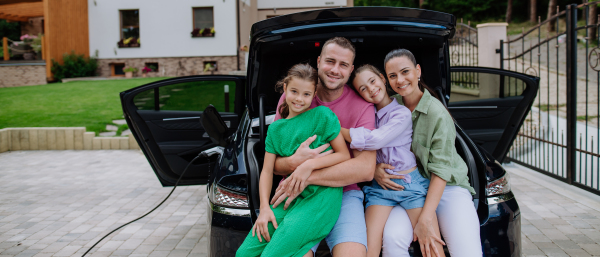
182	37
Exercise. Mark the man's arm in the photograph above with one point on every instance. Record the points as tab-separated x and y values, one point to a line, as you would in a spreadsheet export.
286	165
358	169
361	168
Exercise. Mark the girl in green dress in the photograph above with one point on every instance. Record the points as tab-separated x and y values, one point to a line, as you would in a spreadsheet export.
312	215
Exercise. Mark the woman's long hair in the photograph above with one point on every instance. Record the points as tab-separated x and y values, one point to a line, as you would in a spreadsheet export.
299	71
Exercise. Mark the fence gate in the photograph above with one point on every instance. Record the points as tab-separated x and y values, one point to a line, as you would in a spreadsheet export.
560	136
463	46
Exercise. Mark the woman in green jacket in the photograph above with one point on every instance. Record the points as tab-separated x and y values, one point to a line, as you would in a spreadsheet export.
450	194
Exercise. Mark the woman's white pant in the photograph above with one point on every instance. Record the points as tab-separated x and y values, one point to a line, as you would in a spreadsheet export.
458	222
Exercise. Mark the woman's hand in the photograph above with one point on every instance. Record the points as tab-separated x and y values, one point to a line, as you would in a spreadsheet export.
261	227
384	179
424	231
297	181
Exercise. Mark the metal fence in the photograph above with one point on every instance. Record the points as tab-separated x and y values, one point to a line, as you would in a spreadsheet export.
560	136
463	46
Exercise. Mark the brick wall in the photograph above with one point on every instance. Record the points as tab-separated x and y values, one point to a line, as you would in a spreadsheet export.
23	75
170	66
32	27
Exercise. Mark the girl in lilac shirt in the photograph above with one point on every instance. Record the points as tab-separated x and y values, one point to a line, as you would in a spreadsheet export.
392	140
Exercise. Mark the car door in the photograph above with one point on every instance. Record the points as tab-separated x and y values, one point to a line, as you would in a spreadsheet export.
164	117
490	105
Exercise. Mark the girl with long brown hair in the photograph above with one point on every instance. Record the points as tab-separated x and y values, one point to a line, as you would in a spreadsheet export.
283	232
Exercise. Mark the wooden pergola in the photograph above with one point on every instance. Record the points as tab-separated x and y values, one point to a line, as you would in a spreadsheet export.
65	25
15	10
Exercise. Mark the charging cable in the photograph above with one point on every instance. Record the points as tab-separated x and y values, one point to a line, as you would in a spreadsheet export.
202	154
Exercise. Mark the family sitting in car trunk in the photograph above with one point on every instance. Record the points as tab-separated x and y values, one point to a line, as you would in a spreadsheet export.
337	126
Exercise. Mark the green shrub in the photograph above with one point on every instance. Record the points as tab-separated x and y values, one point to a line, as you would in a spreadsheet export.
74	66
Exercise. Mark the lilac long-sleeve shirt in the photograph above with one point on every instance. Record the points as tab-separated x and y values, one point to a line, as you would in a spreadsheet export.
391	139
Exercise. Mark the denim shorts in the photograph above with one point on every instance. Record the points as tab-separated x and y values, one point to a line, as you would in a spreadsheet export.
413	195
350	226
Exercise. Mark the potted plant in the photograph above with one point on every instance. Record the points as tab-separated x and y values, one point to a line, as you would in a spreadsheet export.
129	42
129	71
145	71
36	44
27	39
205	32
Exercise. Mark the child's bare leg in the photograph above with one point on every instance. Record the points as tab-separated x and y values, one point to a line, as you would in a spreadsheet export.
414	214
309	254
375	217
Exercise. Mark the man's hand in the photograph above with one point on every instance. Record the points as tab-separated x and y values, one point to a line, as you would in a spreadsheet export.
304	153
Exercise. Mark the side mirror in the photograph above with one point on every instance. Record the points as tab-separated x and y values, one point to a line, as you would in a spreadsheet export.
214	126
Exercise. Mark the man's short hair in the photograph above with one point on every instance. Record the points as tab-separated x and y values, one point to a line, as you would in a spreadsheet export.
342	42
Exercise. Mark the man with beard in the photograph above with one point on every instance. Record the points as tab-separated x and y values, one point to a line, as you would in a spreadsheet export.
349	235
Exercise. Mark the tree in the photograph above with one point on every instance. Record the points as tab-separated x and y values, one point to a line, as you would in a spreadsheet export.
11	30
532	11
509	11
552	6
592	20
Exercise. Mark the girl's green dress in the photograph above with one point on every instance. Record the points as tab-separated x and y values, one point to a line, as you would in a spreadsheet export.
312	215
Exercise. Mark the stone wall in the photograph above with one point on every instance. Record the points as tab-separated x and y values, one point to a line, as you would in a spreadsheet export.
18	139
170	66
22	75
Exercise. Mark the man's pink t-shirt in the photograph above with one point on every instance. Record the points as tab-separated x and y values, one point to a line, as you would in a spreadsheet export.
352	111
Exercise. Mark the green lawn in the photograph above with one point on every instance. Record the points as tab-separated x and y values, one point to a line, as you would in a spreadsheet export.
90	104
94	104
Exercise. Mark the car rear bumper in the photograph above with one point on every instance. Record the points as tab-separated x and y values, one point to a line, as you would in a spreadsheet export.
501	233
227	229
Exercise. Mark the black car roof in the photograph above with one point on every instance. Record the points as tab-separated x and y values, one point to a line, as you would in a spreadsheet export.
356	14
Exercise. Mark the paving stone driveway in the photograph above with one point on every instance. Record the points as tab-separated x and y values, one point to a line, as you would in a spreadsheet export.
58	203
557	219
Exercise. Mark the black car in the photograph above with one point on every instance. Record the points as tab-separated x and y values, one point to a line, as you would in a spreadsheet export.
489	106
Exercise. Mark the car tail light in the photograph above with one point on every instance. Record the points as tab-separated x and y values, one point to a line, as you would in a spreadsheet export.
498	186
227	198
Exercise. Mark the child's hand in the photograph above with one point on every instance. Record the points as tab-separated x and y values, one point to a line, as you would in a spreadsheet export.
297	181
261	227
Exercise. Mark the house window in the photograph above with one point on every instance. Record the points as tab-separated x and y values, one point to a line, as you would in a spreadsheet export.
203	18
116	69
153	66
210	66
130	24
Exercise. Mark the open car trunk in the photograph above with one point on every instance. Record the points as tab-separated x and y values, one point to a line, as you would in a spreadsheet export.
371	48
